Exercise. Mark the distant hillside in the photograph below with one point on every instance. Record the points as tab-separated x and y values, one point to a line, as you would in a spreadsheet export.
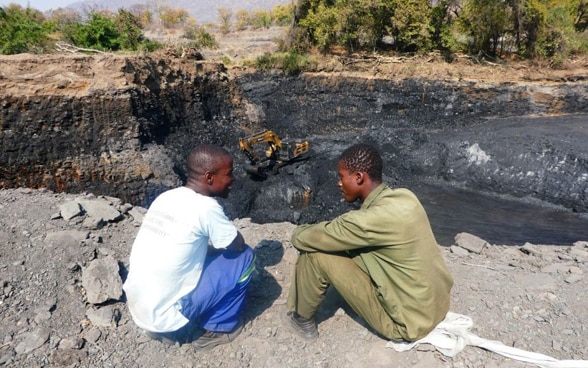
201	10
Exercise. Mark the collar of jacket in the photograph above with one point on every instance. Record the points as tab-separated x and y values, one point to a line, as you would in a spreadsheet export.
373	195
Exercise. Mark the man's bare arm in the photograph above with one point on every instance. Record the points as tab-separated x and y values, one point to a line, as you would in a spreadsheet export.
238	244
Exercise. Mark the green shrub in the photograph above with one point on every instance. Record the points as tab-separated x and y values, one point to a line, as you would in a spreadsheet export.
290	62
99	32
109	32
23	30
201	37
265	61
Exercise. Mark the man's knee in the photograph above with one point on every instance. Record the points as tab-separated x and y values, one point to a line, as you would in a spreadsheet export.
331	263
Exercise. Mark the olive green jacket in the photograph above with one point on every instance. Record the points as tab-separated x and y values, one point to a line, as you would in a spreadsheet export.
391	239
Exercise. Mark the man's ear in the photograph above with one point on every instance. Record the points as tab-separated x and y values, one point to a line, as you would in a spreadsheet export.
208	177
359	177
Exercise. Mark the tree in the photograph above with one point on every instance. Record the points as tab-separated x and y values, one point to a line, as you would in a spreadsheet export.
142	12
200	36
224	16
558	39
485	23
171	18
109	32
441	24
320	23
60	17
242	19
130	30
99	32
261	19
282	15
581	22
22	30
411	24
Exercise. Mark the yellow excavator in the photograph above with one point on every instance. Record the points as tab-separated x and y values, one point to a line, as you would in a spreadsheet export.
276	154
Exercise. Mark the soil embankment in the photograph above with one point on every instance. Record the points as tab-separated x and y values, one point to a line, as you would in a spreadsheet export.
121	125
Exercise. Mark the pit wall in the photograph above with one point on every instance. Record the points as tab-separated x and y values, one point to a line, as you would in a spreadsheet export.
128	136
112	129
320	104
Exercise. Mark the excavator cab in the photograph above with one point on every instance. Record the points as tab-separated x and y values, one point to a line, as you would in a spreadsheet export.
276	154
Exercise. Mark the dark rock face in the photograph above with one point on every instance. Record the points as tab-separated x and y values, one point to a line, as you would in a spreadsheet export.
121	141
130	140
437	132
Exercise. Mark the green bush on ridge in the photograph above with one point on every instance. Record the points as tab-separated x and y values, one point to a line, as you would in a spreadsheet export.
554	30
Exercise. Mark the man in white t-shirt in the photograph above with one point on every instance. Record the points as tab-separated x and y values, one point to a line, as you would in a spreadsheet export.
189	266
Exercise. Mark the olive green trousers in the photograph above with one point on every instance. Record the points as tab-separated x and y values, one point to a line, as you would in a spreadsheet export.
315	272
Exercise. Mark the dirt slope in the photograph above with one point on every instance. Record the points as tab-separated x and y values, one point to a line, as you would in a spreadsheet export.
26	74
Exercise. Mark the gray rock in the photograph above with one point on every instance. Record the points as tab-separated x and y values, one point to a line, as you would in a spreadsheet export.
531	249
556	268
103	317
6	358
68	357
69	210
100	208
137	214
471	242
92	335
42	316
125	208
72	342
102	281
67	238
93	223
458	250
578	254
32	340
574	278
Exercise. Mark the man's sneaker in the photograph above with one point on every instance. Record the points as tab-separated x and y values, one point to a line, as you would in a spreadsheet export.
166	338
303	327
184	335
211	339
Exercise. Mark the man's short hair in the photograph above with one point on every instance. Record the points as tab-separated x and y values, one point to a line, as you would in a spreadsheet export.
363	157
205	157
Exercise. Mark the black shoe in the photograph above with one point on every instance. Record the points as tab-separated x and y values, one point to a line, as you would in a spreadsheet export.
164	337
303	327
211	339
184	335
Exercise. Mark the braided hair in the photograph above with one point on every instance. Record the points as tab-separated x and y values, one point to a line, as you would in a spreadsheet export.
363	157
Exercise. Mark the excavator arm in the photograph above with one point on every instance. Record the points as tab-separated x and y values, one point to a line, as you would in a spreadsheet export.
246	144
276	155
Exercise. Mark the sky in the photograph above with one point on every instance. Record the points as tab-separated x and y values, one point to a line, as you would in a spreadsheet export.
41	5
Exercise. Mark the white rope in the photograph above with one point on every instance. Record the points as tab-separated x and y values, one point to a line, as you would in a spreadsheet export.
453	334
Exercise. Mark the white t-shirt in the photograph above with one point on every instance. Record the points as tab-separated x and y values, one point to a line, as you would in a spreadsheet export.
168	254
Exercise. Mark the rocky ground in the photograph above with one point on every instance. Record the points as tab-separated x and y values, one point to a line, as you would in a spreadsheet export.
63	258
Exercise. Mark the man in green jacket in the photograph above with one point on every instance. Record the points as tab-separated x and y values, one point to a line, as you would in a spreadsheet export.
383	258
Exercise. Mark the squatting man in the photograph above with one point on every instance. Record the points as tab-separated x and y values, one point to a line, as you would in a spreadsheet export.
190	268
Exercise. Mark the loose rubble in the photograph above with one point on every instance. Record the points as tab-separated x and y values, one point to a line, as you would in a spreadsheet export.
64	257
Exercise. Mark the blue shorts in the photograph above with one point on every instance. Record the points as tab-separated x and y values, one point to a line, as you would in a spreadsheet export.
218	299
